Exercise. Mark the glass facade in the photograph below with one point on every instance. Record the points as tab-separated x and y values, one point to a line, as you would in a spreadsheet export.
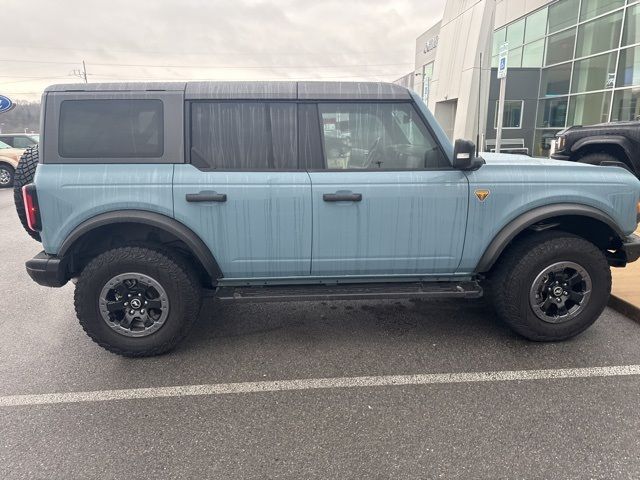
588	56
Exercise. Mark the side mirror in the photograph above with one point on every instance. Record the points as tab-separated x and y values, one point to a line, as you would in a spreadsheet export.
464	156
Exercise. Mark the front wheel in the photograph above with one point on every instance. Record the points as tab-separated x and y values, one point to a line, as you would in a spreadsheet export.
137	301
551	286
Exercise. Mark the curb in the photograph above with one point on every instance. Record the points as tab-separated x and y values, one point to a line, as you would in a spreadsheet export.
625	308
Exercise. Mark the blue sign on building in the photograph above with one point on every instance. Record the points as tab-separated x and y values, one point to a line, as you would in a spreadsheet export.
5	104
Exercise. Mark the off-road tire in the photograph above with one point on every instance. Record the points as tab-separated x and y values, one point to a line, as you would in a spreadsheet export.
10	172
175	276
511	279
23	176
599	158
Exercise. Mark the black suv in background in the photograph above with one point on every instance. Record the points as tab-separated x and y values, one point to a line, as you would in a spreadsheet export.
605	143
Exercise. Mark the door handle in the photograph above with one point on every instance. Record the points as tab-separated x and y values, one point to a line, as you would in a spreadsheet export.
342	197
206	197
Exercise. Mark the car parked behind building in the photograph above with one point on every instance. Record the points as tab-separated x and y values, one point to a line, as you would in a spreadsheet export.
149	194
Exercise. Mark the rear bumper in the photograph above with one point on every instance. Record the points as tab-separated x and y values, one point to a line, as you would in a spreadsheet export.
631	248
47	270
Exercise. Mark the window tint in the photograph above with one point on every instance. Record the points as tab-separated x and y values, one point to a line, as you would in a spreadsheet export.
244	136
111	129
382	135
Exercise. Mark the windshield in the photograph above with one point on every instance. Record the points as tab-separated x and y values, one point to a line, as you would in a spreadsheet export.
4	145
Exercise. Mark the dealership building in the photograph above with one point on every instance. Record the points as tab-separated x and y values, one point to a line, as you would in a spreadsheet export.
570	62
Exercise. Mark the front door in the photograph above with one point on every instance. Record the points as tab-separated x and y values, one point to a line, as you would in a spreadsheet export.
243	193
388	202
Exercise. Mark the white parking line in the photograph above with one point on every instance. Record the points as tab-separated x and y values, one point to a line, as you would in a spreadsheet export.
316	383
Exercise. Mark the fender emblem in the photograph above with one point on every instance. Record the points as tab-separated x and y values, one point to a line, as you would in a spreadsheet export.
482	194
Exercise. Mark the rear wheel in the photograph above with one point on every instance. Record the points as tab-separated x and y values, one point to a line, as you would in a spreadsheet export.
137	301
551	286
6	176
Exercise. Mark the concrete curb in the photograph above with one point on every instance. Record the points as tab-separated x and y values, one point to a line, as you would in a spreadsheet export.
625	308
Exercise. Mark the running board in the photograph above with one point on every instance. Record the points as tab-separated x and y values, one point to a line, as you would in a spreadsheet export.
359	291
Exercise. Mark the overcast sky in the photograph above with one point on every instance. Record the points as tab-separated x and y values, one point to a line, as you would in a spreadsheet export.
43	41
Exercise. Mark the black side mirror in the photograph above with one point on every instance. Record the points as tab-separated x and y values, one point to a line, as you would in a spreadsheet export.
464	156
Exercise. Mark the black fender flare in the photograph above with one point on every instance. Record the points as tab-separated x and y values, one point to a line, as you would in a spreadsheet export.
525	220
617	140
158	220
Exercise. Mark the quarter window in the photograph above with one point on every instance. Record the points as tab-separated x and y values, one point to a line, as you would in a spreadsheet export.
377	136
244	136
111	129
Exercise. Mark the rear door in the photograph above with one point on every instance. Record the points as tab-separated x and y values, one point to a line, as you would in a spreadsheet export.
244	192
388	201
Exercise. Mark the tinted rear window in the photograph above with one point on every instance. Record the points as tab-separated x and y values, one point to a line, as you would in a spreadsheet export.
111	129
244	135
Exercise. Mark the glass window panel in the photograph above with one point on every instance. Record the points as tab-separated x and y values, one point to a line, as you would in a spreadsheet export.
555	80
560	47
268	141
515	33
542	142
499	37
626	105
514	59
629	67
536	26
377	135
631	33
512	116
595	73
494	62
563	14
552	112
599	35
111	129
533	54
593	8
589	109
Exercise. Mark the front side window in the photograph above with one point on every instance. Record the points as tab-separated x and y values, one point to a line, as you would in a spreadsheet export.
111	129
377	136
512	114
244	135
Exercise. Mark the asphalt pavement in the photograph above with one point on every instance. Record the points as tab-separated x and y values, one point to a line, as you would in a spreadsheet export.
582	427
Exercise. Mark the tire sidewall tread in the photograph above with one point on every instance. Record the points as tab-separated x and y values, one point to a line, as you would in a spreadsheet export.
176	277
512	278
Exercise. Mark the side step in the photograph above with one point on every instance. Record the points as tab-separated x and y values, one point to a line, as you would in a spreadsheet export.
359	291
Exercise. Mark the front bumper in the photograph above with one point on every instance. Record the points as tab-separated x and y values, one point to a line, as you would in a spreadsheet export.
631	248
47	270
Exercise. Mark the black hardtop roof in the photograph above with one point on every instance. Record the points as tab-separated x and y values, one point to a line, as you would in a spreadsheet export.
254	90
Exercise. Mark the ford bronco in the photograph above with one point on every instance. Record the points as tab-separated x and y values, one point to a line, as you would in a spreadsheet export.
148	196
615	143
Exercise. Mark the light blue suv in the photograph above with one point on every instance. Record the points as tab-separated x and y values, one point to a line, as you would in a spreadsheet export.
148	195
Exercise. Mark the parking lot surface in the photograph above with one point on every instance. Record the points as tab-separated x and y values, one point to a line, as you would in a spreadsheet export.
583	427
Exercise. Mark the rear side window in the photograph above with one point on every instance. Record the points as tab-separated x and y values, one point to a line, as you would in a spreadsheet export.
244	135
111	129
